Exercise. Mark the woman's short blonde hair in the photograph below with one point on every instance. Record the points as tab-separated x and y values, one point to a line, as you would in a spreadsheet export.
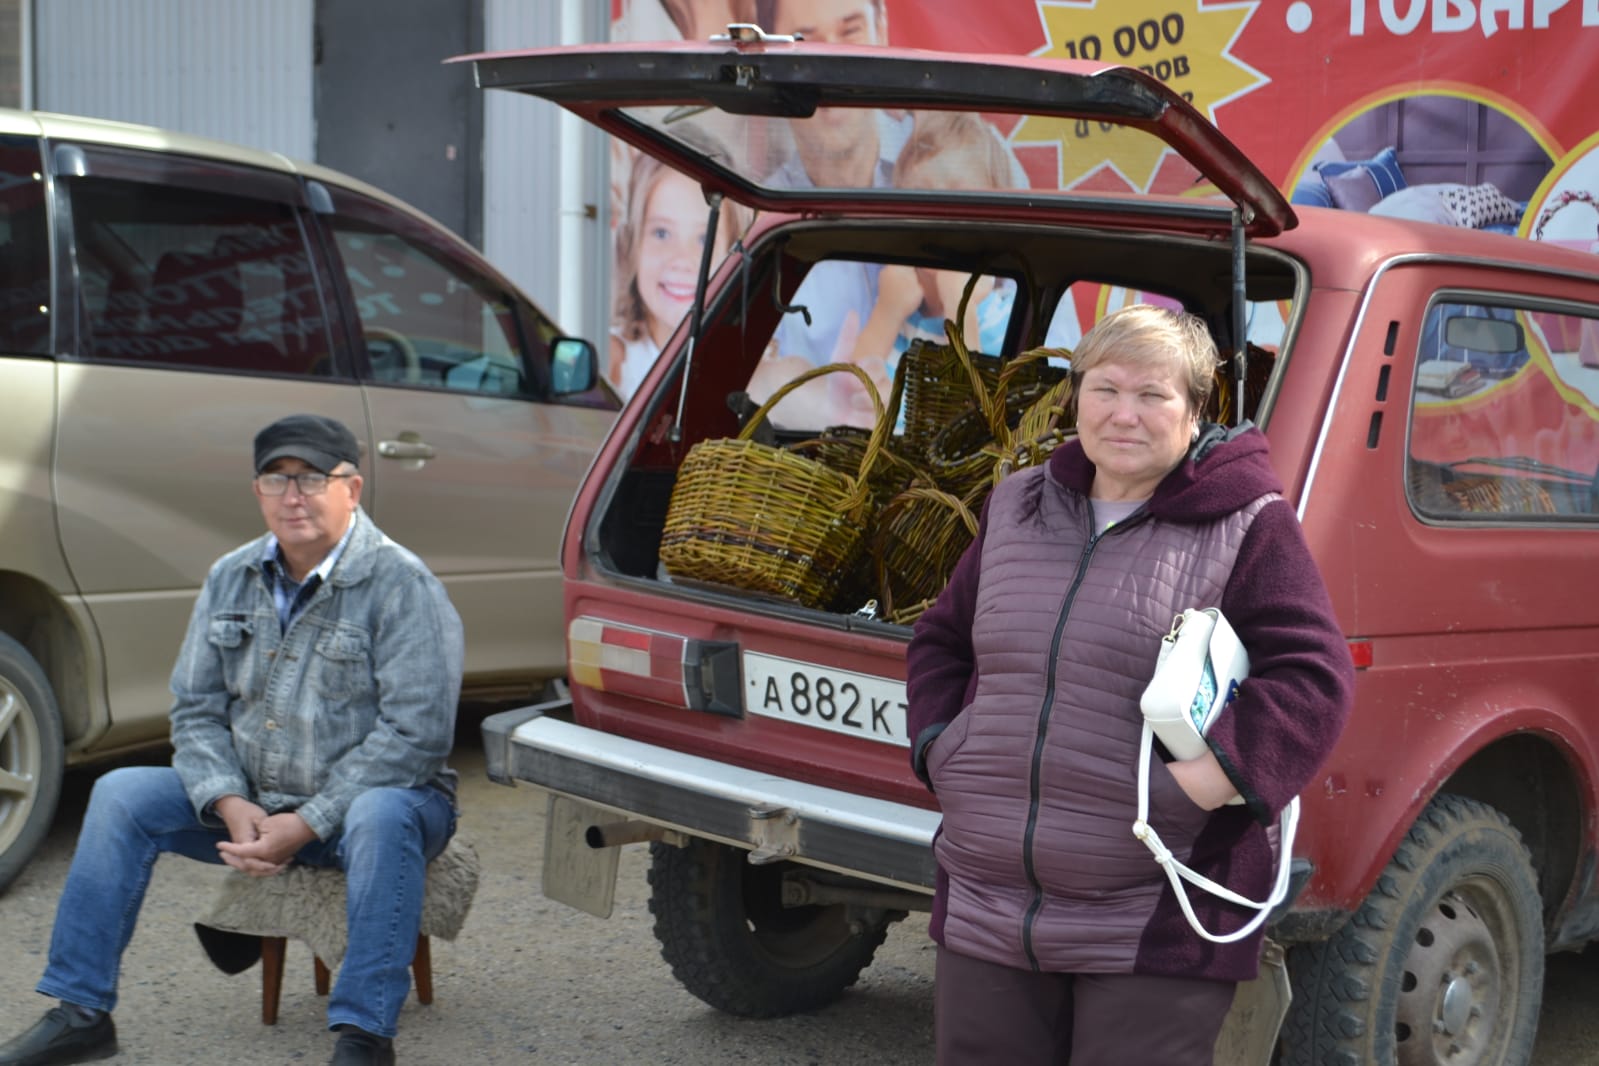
1144	335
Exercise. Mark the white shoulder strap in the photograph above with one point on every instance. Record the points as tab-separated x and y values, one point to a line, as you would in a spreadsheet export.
1177	873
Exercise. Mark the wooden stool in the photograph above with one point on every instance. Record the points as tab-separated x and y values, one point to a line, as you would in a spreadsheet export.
272	951
307	903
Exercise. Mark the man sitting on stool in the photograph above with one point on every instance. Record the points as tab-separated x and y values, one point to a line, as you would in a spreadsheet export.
314	707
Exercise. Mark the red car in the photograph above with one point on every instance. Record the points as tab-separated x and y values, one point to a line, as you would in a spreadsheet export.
758	739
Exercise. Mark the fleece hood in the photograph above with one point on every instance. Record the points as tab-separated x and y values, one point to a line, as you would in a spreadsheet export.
1226	468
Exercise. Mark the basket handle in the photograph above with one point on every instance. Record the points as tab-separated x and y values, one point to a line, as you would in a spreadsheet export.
993	406
955	330
1032	355
874	444
1008	373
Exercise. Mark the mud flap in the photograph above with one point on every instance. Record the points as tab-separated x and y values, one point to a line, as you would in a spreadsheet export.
574	873
1249	1034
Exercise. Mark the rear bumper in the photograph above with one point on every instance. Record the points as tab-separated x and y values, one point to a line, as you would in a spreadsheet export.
777	817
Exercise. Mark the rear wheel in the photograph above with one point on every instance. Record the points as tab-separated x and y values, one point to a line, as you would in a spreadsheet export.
1443	963
31	758
730	941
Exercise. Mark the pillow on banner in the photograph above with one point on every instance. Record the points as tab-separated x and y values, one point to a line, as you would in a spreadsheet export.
1353	191
1382	169
1476	206
1419	203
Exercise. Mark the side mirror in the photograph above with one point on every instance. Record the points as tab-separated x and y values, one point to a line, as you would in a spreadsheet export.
1493	335
573	366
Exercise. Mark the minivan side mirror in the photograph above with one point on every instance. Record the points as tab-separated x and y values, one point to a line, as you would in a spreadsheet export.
1483	334
573	366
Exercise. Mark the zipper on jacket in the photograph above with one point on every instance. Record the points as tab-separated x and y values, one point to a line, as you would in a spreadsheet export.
1035	774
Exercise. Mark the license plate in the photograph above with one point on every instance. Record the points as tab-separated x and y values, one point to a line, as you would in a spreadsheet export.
858	705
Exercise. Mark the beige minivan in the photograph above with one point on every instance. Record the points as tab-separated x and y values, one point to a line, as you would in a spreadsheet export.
162	297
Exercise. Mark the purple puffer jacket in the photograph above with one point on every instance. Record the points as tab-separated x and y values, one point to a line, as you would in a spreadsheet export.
1024	681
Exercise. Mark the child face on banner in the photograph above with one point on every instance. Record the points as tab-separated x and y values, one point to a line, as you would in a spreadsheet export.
671	237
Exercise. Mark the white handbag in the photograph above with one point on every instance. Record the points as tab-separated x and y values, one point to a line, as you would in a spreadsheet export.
1201	664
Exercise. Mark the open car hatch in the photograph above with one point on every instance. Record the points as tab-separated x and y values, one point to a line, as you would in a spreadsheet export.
797	127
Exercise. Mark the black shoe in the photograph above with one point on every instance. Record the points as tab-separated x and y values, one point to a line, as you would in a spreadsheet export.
357	1047
60	1037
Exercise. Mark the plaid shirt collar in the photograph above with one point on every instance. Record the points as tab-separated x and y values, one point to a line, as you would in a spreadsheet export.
288	596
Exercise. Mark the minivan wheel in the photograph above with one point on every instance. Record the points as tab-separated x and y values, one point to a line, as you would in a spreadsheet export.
31	758
730	941
1444	961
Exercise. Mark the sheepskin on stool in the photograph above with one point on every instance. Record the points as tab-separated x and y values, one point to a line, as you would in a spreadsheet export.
307	903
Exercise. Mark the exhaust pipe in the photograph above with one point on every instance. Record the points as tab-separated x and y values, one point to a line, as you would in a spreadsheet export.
615	834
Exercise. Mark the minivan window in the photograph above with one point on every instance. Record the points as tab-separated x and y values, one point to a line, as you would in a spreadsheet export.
24	250
426	317
180	277
1505	414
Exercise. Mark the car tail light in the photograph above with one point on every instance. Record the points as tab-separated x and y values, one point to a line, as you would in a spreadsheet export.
654	665
1360	651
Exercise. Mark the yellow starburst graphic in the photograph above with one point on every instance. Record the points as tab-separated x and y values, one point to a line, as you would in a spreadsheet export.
1185	43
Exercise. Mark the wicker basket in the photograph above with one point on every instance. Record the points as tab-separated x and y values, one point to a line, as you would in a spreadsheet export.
923	531
1044	426
842	448
1440	490
974	448
1499	495
921	534
938	389
766	519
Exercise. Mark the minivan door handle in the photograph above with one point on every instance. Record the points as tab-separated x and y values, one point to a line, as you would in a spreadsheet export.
405	449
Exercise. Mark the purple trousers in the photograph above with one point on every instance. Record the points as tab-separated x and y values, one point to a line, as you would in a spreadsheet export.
986	1013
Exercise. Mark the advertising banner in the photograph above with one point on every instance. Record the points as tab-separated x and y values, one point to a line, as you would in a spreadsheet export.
1476	113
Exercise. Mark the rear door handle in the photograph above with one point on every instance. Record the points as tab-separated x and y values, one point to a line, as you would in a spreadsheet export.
405	449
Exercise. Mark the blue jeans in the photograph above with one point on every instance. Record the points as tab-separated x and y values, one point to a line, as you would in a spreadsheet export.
136	813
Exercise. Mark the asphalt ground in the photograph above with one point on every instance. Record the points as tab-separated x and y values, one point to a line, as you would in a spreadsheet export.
527	981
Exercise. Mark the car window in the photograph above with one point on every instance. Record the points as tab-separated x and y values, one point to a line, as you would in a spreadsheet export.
24	249
869	314
428	318
1086	302
182	277
1505	414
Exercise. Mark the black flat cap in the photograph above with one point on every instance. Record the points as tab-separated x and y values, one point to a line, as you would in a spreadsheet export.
321	441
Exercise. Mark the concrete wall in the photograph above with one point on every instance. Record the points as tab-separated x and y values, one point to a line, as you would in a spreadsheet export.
545	177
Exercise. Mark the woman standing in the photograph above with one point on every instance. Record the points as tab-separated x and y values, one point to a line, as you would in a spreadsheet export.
1060	940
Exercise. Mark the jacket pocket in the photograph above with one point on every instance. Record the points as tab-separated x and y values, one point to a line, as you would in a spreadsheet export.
342	665
232	635
944	745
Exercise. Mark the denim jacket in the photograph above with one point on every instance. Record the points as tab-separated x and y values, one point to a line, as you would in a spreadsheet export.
360	691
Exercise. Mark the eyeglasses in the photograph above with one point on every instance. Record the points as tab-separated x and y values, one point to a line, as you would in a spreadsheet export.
309	483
